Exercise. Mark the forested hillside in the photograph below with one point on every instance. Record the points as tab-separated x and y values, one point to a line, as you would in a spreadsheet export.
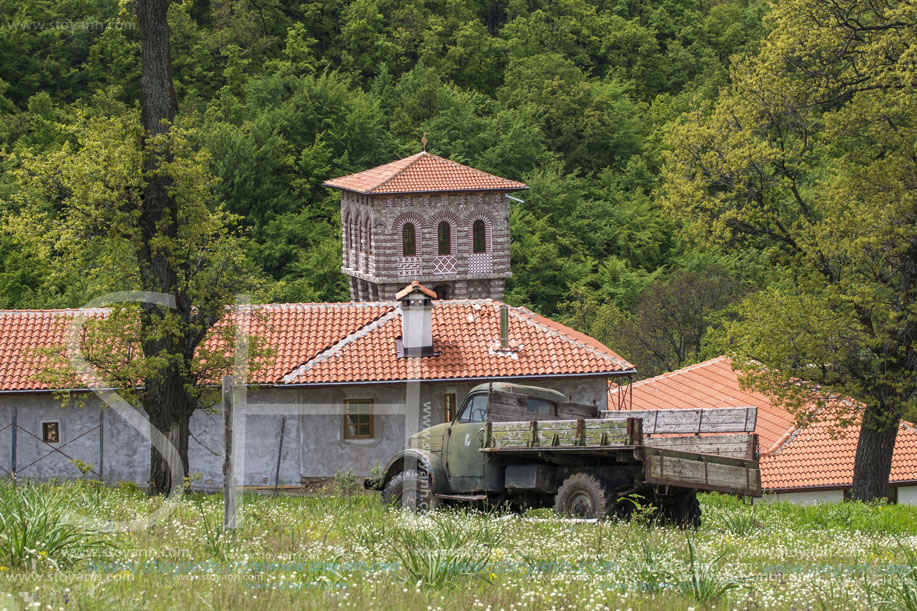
573	97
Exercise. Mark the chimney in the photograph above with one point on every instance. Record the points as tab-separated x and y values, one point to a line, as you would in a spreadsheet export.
504	327
416	320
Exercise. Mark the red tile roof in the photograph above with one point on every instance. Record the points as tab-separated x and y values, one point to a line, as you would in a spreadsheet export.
466	333
26	336
817	456
791	457
422	173
341	343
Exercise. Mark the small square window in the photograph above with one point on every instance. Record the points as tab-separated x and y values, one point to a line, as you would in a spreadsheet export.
50	432
358	419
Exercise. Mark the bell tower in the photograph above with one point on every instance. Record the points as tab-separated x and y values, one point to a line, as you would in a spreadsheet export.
428	219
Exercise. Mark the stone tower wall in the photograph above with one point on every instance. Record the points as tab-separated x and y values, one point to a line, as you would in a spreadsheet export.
372	230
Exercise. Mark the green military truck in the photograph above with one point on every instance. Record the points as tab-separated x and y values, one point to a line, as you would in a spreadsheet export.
531	447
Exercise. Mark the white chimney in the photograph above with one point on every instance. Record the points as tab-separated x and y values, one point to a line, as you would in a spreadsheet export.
416	319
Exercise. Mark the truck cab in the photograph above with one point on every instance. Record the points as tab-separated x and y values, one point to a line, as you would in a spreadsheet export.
465	465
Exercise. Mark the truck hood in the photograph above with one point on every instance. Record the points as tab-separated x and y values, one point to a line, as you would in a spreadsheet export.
430	439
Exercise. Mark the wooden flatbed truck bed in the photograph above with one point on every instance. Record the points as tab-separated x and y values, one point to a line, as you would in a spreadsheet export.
720	462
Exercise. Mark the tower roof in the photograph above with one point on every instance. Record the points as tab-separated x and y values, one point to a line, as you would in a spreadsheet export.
422	173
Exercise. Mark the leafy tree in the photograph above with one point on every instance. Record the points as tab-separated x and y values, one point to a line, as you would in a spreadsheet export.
45	43
669	323
592	124
80	211
810	156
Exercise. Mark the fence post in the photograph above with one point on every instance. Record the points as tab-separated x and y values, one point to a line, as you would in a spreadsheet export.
229	484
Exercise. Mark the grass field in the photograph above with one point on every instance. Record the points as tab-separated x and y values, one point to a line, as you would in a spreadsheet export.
344	549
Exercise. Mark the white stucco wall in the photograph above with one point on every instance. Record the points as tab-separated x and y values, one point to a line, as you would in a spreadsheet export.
804	498
907	495
119	452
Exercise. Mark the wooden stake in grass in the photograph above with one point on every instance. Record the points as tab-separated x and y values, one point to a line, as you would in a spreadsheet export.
229	487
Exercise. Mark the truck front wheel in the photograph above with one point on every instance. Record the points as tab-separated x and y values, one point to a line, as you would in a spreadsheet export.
583	496
411	490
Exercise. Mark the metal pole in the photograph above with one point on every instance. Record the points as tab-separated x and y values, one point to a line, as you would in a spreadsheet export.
229	484
14	427
283	426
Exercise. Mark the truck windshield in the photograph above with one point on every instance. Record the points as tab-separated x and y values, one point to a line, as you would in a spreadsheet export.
475	409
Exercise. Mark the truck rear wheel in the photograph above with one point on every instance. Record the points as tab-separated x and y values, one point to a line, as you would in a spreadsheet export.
683	511
583	496
411	490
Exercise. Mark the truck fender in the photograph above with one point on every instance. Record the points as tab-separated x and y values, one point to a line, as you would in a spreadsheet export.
416	459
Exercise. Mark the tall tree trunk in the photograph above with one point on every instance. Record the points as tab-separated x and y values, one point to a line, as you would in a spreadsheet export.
164	398
157	94
875	447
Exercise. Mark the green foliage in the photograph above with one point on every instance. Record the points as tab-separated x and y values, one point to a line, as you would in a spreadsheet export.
740	521
898	590
673	316
704	581
447	551
35	532
219	542
345	484
647	561
347	551
572	97
725	512
809	156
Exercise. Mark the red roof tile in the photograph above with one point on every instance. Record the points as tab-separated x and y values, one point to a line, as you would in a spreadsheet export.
791	457
422	173
340	343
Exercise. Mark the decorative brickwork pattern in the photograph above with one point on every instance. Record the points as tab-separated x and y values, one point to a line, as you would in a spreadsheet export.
482	263
410	267
444	265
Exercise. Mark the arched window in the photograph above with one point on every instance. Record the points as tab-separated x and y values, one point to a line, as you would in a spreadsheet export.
478	237
408	242
445	238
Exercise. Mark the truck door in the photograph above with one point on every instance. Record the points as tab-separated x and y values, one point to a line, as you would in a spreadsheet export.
464	463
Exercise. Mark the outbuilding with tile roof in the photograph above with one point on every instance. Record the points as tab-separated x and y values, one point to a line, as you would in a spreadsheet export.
336	395
802	464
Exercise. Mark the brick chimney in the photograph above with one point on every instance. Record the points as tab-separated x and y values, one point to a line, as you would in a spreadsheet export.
416	320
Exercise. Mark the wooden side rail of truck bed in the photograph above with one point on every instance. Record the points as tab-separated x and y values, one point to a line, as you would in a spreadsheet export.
705	472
